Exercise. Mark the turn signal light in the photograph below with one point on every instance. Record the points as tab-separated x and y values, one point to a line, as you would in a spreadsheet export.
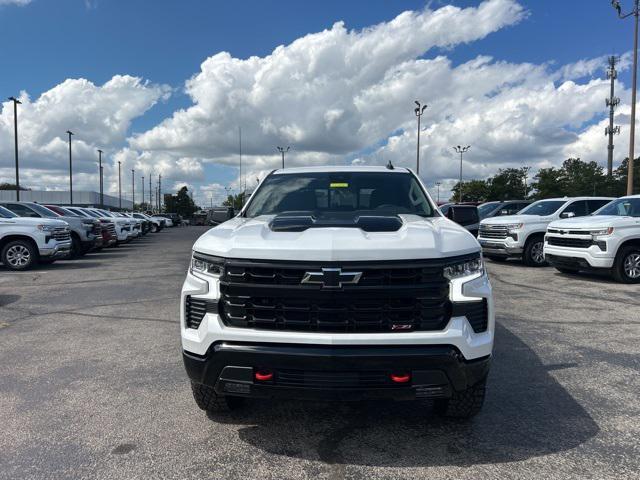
400	377
263	375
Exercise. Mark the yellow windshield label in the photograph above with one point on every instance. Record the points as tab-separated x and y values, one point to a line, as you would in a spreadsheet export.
339	185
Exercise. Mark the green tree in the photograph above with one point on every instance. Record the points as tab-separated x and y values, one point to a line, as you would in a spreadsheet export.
508	184
181	203
620	176
549	182
472	191
582	178
11	186
236	201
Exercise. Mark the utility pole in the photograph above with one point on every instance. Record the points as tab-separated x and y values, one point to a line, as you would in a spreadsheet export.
100	173
150	202
632	133
119	188
461	151
240	151
16	102
133	188
526	176
611	102
142	202
283	151
419	110
70	171
159	193
438	186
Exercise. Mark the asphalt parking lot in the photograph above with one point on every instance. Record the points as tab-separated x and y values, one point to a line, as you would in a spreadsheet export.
92	386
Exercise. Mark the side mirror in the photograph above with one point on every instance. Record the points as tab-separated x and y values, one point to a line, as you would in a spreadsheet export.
463	215
567	215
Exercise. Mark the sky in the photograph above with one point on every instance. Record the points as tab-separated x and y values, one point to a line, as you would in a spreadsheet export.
164	87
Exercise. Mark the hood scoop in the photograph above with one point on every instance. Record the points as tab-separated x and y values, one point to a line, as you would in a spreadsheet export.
301	221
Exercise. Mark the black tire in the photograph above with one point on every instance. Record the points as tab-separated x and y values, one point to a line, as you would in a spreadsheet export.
207	399
568	271
19	255
46	261
465	404
496	258
154	228
626	267
76	247
533	251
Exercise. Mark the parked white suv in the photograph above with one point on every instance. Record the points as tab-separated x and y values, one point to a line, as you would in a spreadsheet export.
338	283
522	235
24	242
607	240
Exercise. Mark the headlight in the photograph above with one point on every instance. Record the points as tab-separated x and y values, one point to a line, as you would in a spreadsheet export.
212	266
465	268
514	227
46	228
603	231
87	225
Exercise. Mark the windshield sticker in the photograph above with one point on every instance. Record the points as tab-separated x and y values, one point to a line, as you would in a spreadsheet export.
339	185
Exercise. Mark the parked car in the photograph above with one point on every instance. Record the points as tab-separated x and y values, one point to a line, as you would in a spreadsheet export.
157	224
465	215
338	283
27	241
500	209
220	215
136	223
167	221
109	236
608	240
124	226
201	217
522	235
97	226
83	237
175	218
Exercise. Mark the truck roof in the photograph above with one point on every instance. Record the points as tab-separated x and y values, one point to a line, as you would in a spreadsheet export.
566	199
340	168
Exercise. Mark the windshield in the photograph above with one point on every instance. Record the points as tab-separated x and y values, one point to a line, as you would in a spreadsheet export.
623	207
79	213
4	213
45	212
93	213
486	208
542	207
372	193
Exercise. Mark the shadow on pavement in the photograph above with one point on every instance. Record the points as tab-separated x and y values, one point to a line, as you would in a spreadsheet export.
527	414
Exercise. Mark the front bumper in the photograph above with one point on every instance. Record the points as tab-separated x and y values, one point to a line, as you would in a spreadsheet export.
583	258
507	247
320	372
59	250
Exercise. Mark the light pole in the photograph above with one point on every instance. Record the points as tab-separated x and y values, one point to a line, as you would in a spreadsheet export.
100	172
526	175
119	188
419	110
283	151
159	193
142	202
632	133
461	151
150	200
133	188
16	102
70	171
438	186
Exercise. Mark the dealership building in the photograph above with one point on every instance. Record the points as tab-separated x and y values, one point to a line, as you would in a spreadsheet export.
80	198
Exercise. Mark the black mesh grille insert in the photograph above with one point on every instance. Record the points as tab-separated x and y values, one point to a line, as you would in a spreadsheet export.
334	380
477	314
195	310
569	242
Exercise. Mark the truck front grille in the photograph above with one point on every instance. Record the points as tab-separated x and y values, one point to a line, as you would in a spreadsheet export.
389	296
569	242
61	234
493	231
334	380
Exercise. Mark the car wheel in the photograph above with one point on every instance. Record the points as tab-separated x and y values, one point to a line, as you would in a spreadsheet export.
533	255
207	399
626	268
464	404
19	255
154	228
76	247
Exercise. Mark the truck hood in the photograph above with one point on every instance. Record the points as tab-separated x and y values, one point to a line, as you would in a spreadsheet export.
417	238
510	219
593	222
35	221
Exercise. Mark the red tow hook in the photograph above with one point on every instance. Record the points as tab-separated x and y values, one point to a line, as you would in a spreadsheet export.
400	377
263	375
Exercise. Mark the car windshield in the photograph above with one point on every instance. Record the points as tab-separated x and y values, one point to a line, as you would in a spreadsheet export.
45	212
622	207
65	211
486	208
80	213
4	213
542	207
93	213
373	193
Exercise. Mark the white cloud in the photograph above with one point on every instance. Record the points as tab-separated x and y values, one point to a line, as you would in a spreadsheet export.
20	3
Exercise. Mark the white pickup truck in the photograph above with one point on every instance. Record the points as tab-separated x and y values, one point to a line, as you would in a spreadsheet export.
522	235
25	242
339	283
607	240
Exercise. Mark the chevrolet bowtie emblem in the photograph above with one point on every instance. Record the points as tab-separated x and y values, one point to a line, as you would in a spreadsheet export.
331	277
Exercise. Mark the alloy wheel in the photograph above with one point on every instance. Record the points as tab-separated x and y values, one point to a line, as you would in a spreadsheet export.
537	252
18	256
632	265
